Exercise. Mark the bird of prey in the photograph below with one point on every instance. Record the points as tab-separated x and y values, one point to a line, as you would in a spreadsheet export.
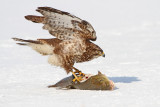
72	42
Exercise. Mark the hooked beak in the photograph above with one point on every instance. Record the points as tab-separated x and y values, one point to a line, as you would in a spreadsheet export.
103	54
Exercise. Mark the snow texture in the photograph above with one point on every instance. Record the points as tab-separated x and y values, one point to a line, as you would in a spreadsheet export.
129	33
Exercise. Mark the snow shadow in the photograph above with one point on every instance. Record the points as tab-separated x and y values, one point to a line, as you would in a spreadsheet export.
124	79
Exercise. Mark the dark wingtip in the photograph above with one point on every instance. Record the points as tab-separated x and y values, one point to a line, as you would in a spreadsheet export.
35	19
44	8
21	43
16	39
28	17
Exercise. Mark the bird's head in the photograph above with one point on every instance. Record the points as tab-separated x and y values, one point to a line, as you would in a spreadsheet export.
96	51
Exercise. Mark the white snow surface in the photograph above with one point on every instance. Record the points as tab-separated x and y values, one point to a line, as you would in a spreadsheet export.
129	33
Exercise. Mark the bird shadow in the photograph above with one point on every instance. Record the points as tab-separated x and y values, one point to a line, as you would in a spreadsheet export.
124	79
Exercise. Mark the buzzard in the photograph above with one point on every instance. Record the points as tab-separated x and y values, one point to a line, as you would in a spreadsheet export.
72	42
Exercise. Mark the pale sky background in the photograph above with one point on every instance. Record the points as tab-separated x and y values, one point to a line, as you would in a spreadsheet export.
104	15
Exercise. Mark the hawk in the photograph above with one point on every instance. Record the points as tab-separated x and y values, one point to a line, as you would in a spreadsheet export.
72	42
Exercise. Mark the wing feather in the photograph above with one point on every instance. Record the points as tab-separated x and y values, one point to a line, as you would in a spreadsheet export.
64	25
57	17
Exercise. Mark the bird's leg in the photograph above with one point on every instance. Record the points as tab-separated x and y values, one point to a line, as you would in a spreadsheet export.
77	74
78	71
75	77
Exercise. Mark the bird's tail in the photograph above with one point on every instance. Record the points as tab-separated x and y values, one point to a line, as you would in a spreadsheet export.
26	41
37	45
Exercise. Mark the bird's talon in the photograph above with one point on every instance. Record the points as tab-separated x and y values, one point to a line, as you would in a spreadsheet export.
82	74
74	80
78	75
77	79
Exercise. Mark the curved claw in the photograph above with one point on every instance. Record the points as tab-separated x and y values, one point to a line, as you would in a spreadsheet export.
78	75
78	71
76	78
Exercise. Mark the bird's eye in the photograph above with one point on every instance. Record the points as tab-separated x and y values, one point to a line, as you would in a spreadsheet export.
93	32
99	52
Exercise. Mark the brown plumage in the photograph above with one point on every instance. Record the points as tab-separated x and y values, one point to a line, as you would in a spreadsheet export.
72	43
36	19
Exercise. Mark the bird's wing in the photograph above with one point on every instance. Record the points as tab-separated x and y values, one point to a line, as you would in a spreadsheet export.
63	25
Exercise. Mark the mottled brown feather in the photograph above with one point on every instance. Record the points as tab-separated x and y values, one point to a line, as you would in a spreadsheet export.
57	21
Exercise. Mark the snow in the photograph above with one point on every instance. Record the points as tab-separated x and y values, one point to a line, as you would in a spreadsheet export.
128	32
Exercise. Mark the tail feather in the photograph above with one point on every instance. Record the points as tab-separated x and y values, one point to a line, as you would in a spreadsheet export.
40	47
30	41
36	19
21	43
